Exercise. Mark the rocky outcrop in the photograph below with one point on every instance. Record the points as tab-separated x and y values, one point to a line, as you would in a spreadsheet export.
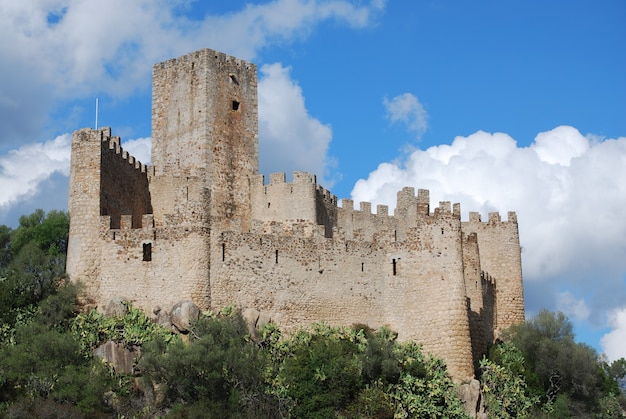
122	358
470	395
183	315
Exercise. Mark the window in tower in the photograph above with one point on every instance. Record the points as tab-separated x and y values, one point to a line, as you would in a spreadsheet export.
147	252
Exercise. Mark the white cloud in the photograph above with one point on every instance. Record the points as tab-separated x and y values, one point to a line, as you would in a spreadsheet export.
107	44
614	342
139	148
560	145
406	108
22	170
569	193
290	139
571	306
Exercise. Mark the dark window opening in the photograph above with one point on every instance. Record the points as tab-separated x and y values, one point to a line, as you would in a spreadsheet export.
235	105
147	252
442	231
394	267
362	266
268	204
223	252
277	256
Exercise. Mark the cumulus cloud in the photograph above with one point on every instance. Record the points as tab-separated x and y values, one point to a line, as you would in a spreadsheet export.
139	148
569	192
571	306
613	343
407	109
289	138
24	169
76	48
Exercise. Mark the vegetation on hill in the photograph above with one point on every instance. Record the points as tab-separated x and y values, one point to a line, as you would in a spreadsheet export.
47	367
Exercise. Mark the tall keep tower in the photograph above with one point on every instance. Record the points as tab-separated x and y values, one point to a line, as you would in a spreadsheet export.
204	128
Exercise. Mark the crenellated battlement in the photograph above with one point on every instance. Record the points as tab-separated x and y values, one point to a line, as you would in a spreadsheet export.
111	146
217	57
494	218
128	222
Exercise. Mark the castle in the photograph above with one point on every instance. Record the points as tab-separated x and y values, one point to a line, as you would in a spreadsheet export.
201	224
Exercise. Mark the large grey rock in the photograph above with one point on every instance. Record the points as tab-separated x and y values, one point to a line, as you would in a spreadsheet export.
183	314
469	394
117	307
264	318
251	316
119	356
162	318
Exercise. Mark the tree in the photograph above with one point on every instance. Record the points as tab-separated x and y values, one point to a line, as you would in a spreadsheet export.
503	385
43	368
218	374
32	265
565	374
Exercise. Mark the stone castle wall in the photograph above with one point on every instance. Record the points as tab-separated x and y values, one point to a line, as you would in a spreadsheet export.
201	224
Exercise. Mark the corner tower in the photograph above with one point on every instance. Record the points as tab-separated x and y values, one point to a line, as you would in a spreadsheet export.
204	129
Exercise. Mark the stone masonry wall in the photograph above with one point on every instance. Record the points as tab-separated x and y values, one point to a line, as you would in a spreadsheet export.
83	248
153	267
500	259
204	124
297	280
123	184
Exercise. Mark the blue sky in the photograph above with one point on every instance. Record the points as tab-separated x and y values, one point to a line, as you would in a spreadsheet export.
499	105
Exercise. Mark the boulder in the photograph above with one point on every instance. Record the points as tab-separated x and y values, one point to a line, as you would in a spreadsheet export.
119	356
162	318
469	394
117	307
251	316
264	318
183	314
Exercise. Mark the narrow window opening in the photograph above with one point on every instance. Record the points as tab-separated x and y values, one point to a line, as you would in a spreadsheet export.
362	266
442	231
268	204
394	267
277	256
235	105
395	235
147	252
223	252
114	235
